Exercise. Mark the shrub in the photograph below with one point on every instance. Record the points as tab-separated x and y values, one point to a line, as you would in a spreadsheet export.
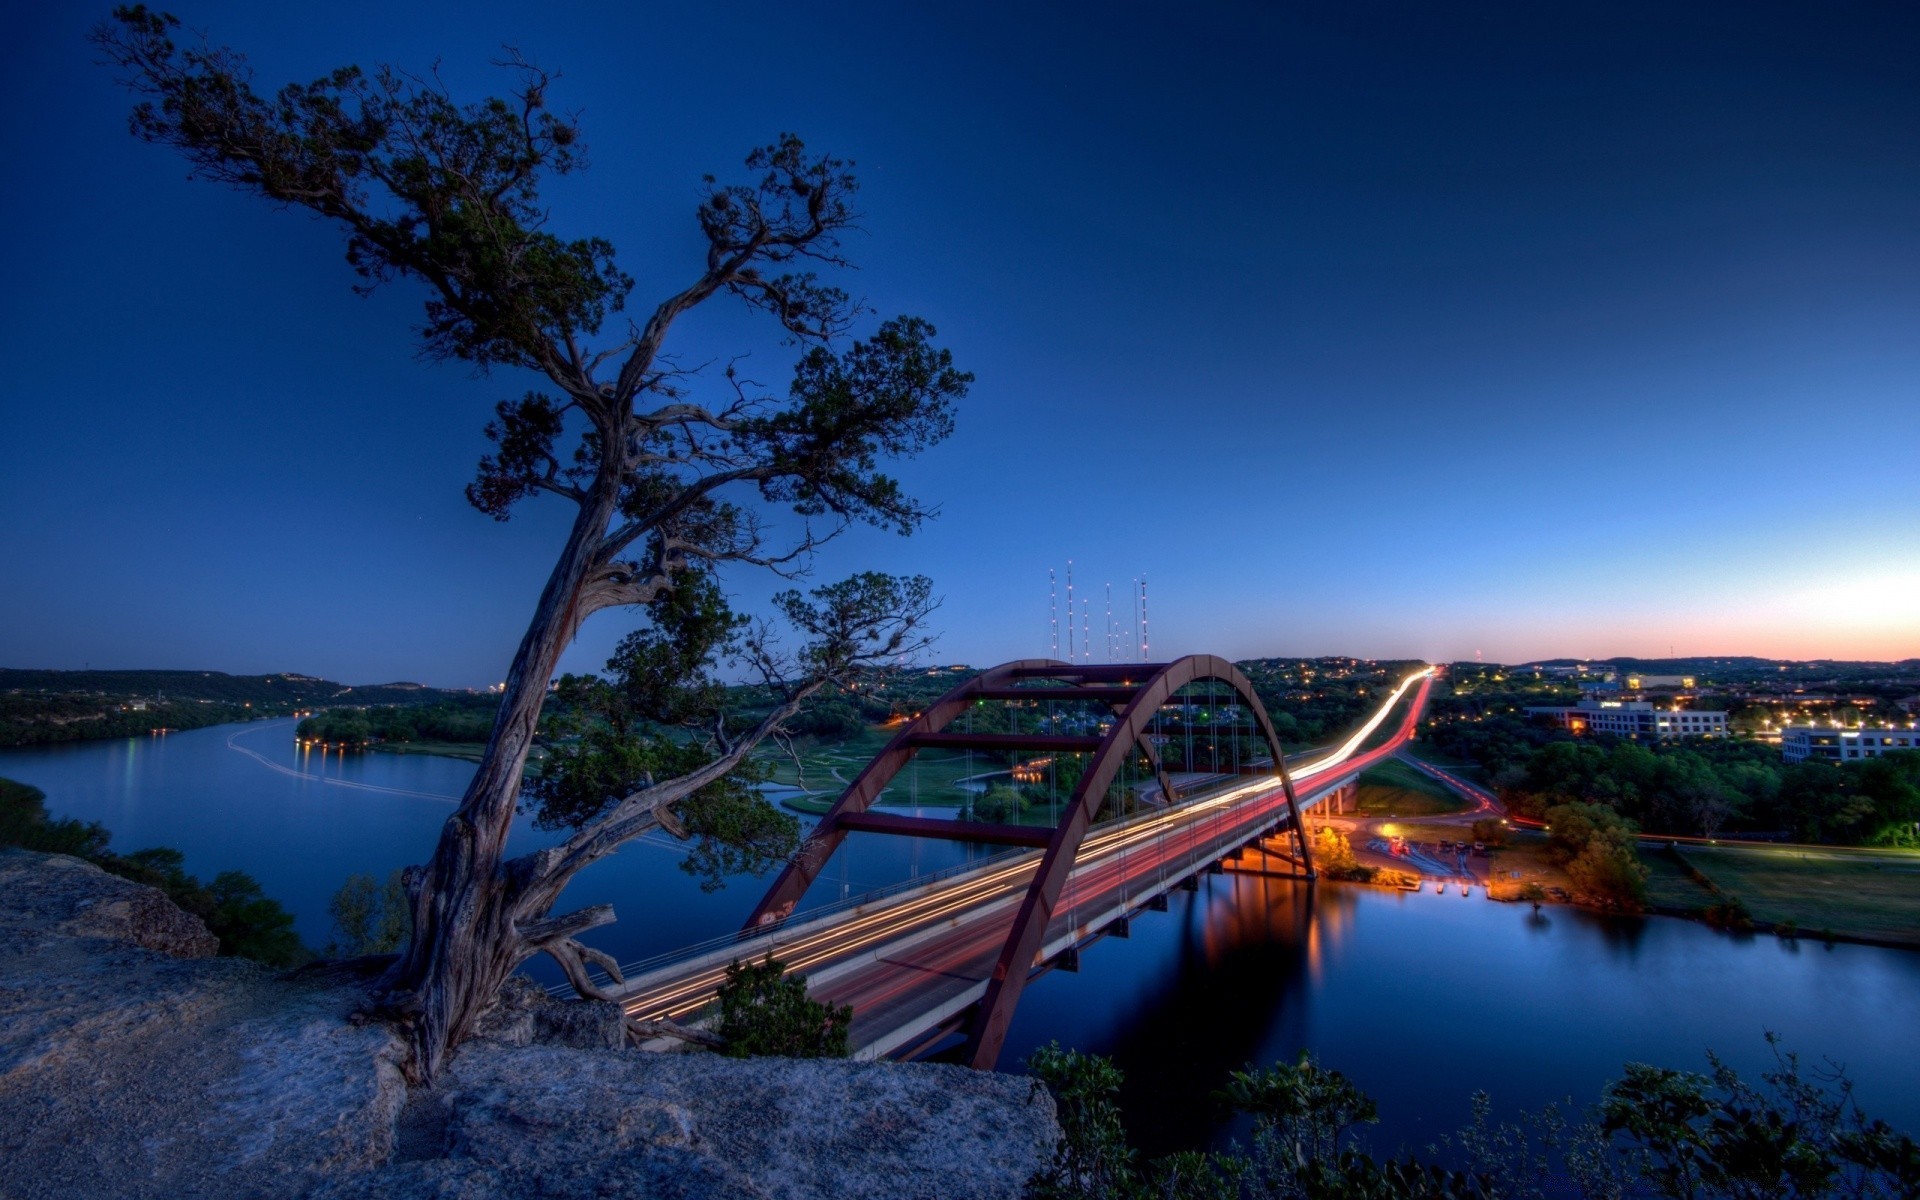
765	1011
1333	857
1730	913
24	823
1092	1160
235	909
369	917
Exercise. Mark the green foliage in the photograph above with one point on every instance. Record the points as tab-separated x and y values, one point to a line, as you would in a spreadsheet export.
1302	1108
1000	803
1696	788
765	1011
1092	1160
1311	699
1729	912
735	831
1491	830
1657	1132
369	917
24	823
248	924
234	907
830	719
466	720
1601	855
610	738
251	925
1333	857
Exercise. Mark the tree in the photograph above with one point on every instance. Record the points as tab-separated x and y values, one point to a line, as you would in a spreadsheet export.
1333	855
368	917
764	1010
1599	850
668	485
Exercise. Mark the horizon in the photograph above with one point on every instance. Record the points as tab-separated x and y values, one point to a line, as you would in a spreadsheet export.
942	663
1513	331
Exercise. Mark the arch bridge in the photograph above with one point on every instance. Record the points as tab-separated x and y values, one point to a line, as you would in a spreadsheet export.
953	952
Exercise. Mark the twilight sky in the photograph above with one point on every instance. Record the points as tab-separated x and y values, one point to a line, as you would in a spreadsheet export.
1356	328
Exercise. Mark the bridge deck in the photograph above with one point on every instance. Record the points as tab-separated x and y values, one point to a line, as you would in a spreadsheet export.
912	963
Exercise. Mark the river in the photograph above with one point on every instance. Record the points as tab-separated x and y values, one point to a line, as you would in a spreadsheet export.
1423	998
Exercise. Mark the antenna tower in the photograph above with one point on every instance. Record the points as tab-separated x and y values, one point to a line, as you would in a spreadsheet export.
1053	610
1069	610
1147	653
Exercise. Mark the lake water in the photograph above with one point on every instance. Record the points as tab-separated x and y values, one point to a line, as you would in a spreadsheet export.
1422	998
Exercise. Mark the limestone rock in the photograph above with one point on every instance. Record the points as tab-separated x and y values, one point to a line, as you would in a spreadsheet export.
52	893
125	1071
527	1016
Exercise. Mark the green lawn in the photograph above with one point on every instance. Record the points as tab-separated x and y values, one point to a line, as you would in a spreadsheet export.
1865	893
1471	772
1396	789
471	751
930	780
1670	886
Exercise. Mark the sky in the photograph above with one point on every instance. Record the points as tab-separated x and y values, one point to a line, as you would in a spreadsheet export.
1396	331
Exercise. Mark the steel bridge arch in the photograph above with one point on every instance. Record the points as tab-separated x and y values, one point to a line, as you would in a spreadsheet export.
1134	691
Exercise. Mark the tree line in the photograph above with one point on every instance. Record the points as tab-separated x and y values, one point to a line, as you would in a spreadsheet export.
1656	1131
248	923
464	720
1695	787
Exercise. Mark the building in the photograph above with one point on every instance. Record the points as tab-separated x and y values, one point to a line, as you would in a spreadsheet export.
1637	683
1635	719
1799	743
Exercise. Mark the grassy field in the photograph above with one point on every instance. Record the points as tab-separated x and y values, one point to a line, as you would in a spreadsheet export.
1471	772
1669	886
1861	893
470	751
1394	789
931	780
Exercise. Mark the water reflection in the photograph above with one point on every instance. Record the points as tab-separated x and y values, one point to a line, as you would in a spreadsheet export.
1421	998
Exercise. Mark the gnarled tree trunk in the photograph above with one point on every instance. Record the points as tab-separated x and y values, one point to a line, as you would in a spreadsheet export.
469	918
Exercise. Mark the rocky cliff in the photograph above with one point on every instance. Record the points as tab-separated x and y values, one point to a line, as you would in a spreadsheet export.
131	1064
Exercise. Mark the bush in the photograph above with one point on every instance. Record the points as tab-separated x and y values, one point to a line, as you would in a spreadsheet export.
1657	1132
24	823
1730	913
1092	1159
1000	804
369	917
765	1011
1598	848
1333	857
234	908
1491	830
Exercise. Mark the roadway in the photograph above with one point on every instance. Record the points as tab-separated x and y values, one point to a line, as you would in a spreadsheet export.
911	964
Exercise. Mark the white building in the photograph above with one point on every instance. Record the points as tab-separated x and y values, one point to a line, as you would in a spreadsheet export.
1635	719
1801	742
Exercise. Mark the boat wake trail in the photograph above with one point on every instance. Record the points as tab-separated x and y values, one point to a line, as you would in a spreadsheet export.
654	840
310	777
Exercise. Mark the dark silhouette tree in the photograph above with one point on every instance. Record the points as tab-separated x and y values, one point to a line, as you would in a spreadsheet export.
669	487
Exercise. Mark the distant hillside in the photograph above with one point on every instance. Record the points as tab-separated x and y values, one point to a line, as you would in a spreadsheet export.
286	687
63	706
1728	669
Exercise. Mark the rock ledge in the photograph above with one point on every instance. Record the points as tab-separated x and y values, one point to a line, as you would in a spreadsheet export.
133	1065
